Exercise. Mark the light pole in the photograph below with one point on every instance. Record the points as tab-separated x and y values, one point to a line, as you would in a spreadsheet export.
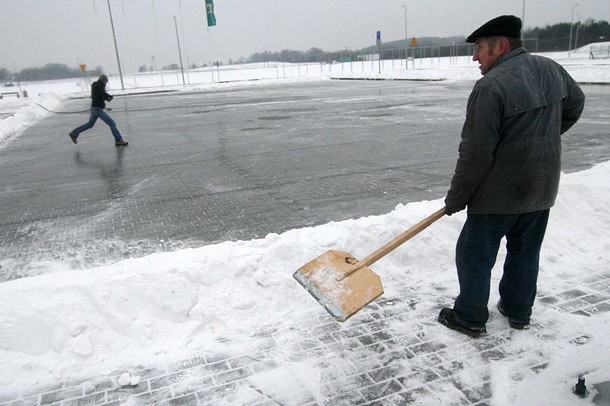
577	29
406	39
571	26
179	51
522	20
118	61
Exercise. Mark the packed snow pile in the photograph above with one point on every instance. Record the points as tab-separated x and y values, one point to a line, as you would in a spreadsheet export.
19	114
171	305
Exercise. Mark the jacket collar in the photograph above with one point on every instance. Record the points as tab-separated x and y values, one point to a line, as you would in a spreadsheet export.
508	56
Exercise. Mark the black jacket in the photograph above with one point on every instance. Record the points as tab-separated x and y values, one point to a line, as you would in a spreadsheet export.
99	95
510	153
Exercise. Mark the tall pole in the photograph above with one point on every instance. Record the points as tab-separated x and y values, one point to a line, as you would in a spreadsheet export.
577	28
157	40
116	48
571	25
184	42
179	51
406	39
522	20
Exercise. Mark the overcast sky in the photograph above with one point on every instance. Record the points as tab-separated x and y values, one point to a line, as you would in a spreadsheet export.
37	32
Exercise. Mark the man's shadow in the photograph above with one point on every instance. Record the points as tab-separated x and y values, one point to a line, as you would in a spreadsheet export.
111	172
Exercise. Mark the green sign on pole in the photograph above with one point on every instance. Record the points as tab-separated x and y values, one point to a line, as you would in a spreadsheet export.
209	9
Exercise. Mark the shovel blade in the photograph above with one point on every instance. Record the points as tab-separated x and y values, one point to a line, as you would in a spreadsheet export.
340	298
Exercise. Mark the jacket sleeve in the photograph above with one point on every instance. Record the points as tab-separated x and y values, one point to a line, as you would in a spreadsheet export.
573	104
480	136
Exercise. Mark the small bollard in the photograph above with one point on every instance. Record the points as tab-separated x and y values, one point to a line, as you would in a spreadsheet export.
580	389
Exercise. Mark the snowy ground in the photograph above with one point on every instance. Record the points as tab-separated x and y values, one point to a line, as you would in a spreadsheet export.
168	306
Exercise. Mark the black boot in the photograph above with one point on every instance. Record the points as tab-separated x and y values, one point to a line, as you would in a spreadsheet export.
448	318
514	324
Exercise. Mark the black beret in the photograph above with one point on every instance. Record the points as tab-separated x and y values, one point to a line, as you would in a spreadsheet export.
503	26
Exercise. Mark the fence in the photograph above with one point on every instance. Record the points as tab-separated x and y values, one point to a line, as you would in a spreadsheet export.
420	56
601	51
429	56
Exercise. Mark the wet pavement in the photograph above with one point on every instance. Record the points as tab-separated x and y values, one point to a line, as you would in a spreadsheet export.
237	164
231	164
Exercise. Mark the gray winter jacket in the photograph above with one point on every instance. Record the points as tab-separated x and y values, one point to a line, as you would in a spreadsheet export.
510	152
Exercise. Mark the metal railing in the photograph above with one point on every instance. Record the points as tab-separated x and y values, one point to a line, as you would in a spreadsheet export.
601	51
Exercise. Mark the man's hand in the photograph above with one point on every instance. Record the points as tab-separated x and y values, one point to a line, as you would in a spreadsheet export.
449	211
452	208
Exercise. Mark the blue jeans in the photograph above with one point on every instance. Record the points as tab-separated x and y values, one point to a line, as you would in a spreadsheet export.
97	112
476	252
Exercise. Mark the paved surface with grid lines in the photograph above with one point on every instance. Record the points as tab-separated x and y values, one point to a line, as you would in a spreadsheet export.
241	163
363	360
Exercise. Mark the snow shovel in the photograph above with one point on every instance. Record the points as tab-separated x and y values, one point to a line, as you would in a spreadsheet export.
342	284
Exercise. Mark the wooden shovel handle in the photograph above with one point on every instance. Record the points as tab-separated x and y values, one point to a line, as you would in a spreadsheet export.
396	242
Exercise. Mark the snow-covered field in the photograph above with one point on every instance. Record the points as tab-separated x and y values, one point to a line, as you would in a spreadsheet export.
168	306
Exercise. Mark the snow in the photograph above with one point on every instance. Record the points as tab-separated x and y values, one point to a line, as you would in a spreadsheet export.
168	306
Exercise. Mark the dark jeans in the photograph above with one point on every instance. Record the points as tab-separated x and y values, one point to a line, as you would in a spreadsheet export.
476	252
96	113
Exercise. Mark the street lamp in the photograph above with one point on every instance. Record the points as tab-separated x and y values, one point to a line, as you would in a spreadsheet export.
577	29
115	46
179	51
406	39
571	26
522	20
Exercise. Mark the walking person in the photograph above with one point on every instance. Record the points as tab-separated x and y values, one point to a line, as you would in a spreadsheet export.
507	173
99	97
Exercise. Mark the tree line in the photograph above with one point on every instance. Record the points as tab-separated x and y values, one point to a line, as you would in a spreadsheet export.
556	37
50	71
539	39
550	38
